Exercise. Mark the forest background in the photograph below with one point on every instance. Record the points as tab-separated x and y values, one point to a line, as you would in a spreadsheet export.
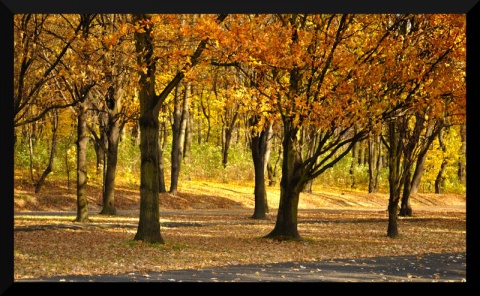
229	103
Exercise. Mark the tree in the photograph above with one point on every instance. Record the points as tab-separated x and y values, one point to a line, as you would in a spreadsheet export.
53	145
419	87
150	104
80	93
57	42
36	57
272	169
229	119
259	150
440	176
162	139
316	97
41	43
415	148
374	161
100	142
304	63
461	161
119	109
78	82
180	119
149	222
204	109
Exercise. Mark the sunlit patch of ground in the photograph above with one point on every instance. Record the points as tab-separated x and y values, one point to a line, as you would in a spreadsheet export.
204	194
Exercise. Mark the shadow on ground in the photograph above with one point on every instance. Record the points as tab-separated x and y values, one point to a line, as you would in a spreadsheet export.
449	267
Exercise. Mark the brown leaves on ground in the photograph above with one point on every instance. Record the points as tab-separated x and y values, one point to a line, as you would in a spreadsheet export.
210	224
225	239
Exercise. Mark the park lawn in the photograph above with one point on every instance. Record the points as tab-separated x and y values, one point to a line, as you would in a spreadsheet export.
209	224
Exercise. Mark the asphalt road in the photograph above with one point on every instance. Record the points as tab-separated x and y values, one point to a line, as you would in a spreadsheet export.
427	268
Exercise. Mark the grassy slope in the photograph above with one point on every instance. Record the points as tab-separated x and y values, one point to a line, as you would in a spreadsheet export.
55	196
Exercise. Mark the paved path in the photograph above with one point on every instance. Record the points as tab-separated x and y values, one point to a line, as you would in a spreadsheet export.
427	268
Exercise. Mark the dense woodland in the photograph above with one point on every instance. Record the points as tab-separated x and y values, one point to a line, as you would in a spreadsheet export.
375	102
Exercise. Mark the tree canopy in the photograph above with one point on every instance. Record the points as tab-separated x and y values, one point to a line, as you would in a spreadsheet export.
323	82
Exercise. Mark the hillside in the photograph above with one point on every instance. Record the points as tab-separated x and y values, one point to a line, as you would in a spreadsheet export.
55	196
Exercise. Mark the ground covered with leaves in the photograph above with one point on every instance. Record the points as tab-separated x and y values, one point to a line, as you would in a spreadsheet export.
209	224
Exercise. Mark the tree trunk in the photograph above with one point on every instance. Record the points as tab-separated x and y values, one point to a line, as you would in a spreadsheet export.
378	163
81	94
82	140
417	174
226	139
407	148
174	154
209	129
162	187
99	143
180	116
360	151
135	140
352	167
149	221
311	142
188	140
461	162
205	110
112	130
48	169
405	207
272	170
371	164
394	181
30	149
161	171
392	230
439	179
227	132
268	144
308	188
199	125
291	185
67	168
286	225
366	156
258	147
188	118
113	137
272	176
409	158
